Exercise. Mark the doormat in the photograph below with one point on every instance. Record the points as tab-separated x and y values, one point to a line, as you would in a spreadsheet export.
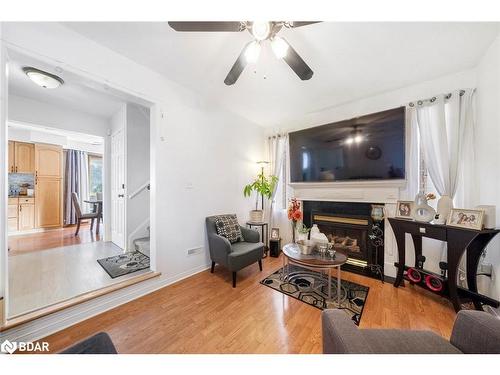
124	264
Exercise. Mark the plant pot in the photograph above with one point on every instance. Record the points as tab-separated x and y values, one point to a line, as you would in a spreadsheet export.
257	216
302	236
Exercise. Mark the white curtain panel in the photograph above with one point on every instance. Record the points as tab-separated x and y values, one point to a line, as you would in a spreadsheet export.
443	125
413	167
447	140
466	194
277	158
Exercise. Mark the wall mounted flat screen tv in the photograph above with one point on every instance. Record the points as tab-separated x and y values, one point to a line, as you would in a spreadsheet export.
370	147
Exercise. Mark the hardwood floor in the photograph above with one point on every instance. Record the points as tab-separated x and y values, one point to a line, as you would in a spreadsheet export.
204	314
22	244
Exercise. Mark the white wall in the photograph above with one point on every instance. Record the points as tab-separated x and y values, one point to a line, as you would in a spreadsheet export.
488	150
202	156
138	165
31	111
3	170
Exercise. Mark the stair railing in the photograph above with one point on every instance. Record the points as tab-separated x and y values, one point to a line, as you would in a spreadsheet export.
144	186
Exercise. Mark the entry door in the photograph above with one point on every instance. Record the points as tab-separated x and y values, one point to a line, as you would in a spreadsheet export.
118	189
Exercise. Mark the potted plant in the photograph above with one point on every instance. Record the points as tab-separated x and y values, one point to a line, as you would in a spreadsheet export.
294	215
264	187
303	232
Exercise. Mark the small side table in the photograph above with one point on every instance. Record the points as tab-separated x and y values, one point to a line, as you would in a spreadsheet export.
264	233
275	247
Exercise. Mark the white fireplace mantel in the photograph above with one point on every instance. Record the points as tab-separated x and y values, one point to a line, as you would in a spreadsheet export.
360	191
386	192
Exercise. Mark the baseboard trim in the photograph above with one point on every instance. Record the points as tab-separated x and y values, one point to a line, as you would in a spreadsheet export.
50	324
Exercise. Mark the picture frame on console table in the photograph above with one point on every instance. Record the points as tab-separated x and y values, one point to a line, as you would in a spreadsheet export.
465	218
275	233
405	209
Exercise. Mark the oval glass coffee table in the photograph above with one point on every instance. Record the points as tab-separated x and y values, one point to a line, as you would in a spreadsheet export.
314	261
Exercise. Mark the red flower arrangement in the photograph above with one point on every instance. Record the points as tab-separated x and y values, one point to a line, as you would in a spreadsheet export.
294	212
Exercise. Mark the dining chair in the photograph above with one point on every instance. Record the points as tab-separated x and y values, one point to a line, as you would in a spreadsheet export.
84	216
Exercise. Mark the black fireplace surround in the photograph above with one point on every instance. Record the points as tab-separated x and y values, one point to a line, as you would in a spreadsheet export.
350	227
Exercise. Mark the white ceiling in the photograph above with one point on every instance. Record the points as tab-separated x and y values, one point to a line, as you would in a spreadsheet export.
349	60
75	94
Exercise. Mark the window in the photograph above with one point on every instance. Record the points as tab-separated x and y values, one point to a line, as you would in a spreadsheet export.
95	174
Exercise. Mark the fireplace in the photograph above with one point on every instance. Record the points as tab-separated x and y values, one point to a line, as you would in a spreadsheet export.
351	229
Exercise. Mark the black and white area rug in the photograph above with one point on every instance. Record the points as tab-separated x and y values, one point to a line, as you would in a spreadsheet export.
312	288
124	264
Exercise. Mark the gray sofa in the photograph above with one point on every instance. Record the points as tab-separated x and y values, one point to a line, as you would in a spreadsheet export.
474	332
234	256
100	343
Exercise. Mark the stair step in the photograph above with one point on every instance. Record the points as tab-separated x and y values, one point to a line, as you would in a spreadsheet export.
142	245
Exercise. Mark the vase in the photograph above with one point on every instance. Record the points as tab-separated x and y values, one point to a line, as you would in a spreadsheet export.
294	227
422	211
444	206
303	236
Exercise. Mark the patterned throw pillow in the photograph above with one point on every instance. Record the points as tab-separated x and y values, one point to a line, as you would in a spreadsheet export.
228	226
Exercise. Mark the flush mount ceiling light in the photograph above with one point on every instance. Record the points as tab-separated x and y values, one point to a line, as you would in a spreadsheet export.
43	79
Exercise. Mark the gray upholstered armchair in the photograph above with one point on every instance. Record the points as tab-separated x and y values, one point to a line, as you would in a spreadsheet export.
474	332
234	256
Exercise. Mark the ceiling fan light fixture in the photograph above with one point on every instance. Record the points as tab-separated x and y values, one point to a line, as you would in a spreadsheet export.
252	52
43	79
261	30
280	47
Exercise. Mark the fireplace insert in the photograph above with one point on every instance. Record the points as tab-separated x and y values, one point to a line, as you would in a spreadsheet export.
351	229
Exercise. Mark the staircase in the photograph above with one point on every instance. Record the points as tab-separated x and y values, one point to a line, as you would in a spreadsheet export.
142	244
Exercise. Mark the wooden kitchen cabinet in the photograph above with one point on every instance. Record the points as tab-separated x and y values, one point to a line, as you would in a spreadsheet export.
48	207
21	157
24	156
12	217
21	214
12	151
48	160
26	219
48	186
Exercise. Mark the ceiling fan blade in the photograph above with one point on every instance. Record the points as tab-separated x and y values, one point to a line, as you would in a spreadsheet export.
295	24
299	66
237	68
209	26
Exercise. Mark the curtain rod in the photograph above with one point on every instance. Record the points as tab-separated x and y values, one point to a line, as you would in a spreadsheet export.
277	135
433	99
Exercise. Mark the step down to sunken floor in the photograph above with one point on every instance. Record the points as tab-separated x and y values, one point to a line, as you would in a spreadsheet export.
142	245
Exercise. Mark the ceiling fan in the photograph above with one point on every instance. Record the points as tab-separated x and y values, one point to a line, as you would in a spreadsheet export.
261	31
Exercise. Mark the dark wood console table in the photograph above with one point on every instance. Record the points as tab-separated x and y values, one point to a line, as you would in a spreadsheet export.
459	241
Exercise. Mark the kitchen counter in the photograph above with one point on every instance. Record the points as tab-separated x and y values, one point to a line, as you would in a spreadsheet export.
21	196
